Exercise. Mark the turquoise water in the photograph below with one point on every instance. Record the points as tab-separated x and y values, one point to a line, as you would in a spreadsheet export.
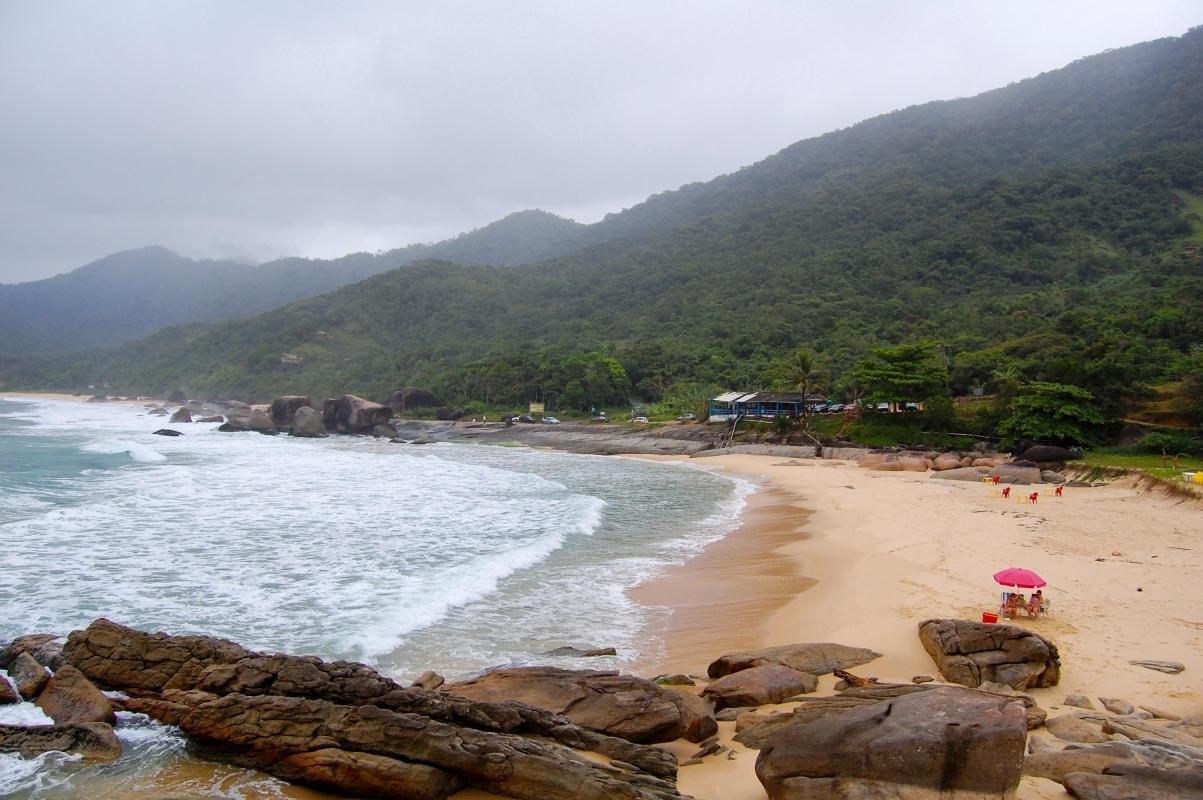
445	557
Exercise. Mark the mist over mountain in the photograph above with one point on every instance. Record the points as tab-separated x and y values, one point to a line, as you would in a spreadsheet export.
134	293
1049	227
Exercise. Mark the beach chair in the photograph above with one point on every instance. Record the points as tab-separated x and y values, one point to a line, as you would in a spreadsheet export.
1032	497
1058	490
1006	492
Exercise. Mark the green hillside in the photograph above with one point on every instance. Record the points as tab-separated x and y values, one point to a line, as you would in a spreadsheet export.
1037	232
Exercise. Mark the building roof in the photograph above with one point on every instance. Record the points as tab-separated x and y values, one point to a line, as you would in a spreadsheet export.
766	397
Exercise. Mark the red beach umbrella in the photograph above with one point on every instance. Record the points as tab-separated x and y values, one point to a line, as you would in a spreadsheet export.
1019	578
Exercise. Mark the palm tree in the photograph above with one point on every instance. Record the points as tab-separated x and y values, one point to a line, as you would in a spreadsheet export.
803	377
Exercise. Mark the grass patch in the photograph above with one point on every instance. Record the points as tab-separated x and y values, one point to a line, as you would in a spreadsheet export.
1155	465
1194	206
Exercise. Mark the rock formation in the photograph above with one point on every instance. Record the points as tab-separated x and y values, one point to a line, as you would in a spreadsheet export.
284	408
351	414
46	649
28	676
626	706
94	741
70	697
970	653
817	658
942	740
307	423
758	686
181	415
341	724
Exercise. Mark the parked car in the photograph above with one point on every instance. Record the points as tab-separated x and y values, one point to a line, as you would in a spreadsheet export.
641	420
835	408
550	421
526	418
883	406
687	416
599	418
821	408
912	406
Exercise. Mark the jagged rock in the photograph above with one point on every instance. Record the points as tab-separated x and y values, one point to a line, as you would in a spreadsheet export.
1078	700
1117	706
1042	453
1073	728
9	694
969	653
593	652
284	408
117	657
430	758
28	676
1017	474
70	697
429	680
166	432
941	740
758	686
1131	782
95	741
46	649
1056	764
158	412
971	474
1168	667
351	414
182	415
307	423
626	706
817	658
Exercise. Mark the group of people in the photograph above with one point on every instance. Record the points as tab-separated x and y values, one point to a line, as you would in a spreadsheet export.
1015	602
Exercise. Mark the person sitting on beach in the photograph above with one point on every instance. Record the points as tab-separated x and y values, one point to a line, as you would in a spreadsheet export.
1036	604
1014	603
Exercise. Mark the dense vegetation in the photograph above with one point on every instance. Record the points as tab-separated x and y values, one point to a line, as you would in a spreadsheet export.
1044	234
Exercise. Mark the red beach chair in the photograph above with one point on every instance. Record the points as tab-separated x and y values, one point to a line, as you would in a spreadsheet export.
1032	497
1057	491
1006	492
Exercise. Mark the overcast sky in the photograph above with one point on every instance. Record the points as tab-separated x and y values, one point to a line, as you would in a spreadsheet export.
255	130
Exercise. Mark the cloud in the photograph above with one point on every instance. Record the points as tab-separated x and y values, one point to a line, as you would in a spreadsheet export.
273	128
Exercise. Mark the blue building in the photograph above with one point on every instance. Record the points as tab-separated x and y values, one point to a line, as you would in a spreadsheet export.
760	405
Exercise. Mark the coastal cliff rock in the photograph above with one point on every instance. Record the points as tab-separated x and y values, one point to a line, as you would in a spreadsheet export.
70	697
28	676
284	408
95	741
758	686
971	653
351	414
939	742
237	701
307	423
817	658
46	649
626	706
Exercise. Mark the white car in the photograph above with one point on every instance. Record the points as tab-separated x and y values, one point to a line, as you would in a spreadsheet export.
641	420
550	421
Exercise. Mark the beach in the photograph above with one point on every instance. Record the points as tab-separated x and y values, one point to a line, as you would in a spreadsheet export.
876	553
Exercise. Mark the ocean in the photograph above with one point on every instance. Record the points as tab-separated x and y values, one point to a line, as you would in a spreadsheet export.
450	557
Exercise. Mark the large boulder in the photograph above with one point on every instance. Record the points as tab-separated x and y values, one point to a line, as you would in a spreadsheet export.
894	462
759	686
1056	764
46	649
94	741
181	415
307	423
1048	454
626	706
817	658
973	474
936	742
412	397
28	676
351	414
157	665
970	653
947	461
1073	728
70	697
284	408
256	420
1018	474
9	693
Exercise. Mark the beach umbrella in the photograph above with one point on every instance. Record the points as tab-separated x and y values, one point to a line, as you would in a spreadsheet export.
1019	578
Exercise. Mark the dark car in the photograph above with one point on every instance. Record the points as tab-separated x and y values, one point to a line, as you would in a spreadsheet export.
526	418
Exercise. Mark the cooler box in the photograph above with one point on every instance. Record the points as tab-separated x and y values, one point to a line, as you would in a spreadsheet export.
989	616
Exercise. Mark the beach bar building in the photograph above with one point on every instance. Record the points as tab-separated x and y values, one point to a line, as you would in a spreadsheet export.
759	405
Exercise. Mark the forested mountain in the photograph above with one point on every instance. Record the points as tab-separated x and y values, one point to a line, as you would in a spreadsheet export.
134	293
1045	231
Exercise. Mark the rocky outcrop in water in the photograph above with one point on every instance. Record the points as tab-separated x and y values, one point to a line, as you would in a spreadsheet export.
181	415
28	676
94	741
626	706
341	724
970	653
46	649
70	697
283	409
307	423
939	741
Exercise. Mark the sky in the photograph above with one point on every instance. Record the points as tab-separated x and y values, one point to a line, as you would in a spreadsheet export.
258	130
